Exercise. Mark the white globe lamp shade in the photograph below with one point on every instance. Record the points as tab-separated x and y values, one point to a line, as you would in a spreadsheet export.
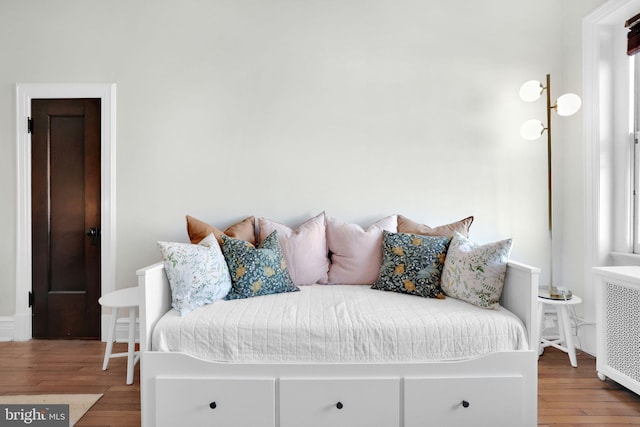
531	90
531	129
568	104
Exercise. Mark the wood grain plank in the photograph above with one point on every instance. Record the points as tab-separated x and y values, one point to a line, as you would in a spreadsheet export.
63	366
570	397
567	397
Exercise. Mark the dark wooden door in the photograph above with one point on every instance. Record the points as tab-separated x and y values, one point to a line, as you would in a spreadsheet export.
65	204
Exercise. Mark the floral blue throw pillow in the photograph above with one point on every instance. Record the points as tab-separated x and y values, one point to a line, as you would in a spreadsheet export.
256	271
412	264
198	274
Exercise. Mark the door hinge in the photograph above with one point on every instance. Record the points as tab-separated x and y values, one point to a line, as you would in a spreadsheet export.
30	299
29	125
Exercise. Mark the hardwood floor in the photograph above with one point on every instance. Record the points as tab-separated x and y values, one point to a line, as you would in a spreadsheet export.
59	366
566	396
570	397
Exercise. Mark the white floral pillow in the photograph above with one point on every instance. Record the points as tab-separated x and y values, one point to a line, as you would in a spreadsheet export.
475	273
198	274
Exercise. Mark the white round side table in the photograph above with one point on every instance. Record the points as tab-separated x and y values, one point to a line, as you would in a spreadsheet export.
122	298
564	341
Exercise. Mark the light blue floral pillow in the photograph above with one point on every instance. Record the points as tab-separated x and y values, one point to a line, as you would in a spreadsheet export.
412	264
475	273
256	271
198	274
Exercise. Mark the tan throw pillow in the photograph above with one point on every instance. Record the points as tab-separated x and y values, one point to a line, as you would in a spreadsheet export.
244	230
406	225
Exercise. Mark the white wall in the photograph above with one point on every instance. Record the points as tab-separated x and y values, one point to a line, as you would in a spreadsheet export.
284	108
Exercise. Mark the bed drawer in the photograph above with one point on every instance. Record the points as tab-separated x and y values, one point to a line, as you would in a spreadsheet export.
339	402
215	402
463	402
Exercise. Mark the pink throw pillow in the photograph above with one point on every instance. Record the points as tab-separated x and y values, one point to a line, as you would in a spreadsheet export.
356	254
304	249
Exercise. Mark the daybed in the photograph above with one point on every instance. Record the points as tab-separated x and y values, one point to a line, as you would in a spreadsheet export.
240	383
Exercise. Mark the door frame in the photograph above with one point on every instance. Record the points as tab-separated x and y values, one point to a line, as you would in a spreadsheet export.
25	92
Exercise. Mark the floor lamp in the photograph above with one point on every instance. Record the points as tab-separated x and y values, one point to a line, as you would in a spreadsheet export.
565	105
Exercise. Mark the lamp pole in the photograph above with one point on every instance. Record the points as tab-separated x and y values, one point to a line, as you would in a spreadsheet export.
552	289
550	203
565	105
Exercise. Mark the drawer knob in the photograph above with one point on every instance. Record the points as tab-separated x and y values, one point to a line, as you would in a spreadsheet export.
339	405
212	405
465	404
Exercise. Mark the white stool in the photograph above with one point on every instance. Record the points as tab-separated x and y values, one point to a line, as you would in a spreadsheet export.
564	327
123	298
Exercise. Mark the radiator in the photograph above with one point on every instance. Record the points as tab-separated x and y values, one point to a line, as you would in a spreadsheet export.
618	325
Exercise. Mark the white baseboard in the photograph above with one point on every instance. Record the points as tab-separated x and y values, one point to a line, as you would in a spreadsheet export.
584	340
22	326
10	329
122	329
7	327
587	338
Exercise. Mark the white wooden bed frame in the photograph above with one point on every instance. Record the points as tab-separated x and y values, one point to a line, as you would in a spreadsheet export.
498	389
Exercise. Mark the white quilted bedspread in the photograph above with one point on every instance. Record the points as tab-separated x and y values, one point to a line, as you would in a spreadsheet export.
339	323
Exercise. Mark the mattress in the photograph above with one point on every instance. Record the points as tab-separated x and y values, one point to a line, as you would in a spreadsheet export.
339	324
